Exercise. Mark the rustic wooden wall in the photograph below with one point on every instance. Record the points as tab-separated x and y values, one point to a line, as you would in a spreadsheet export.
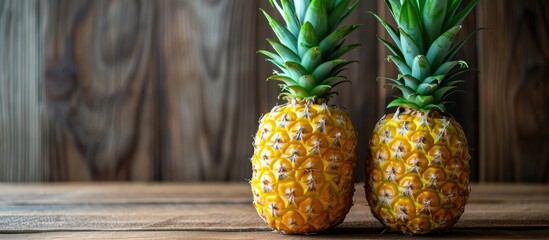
21	95
172	90
207	62
514	90
99	73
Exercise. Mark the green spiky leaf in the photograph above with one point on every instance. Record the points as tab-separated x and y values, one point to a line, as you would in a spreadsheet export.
450	12
426	88
456	72
434	79
317	15
459	17
295	69
421	67
394	7
401	102
285	53
410	81
309	47
433	18
421	4
342	51
393	81
330	4
285	36
458	46
323	70
307	38
307	82
290	18
423	51
348	11
272	56
333	80
297	91
408	48
424	100
312	59
279	65
406	91
454	82
340	67
441	92
333	39
286	80
320	90
301	7
401	65
337	13
392	31
447	66
410	22
394	49
440	47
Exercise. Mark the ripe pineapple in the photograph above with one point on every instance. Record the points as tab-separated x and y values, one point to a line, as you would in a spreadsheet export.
418	163
304	158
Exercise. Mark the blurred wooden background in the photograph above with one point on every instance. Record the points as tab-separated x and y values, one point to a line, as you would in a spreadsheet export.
173	90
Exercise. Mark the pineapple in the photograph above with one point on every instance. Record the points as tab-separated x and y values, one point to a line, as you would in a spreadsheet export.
417	169
304	150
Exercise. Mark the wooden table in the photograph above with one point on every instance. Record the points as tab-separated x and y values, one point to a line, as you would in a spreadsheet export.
213	211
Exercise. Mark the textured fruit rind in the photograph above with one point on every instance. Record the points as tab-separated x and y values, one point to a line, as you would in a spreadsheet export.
303	167
417	172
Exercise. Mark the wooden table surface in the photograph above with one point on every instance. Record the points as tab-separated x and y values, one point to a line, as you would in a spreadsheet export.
224	211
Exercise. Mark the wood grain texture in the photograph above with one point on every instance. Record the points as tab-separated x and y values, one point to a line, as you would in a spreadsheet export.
98	90
21	98
206	53
112	210
471	234
514	90
172	90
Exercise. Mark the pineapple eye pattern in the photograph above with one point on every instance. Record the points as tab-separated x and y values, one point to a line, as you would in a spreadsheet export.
423	167
315	152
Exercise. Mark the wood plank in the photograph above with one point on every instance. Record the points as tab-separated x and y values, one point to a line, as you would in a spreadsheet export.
21	94
514	91
119	193
227	217
219	207
366	233
98	90
208	101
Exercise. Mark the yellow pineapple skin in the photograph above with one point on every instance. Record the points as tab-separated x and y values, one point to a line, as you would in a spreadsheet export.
303	167
417	172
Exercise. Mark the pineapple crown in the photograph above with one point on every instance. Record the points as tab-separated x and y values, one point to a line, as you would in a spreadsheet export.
309	46
423	51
